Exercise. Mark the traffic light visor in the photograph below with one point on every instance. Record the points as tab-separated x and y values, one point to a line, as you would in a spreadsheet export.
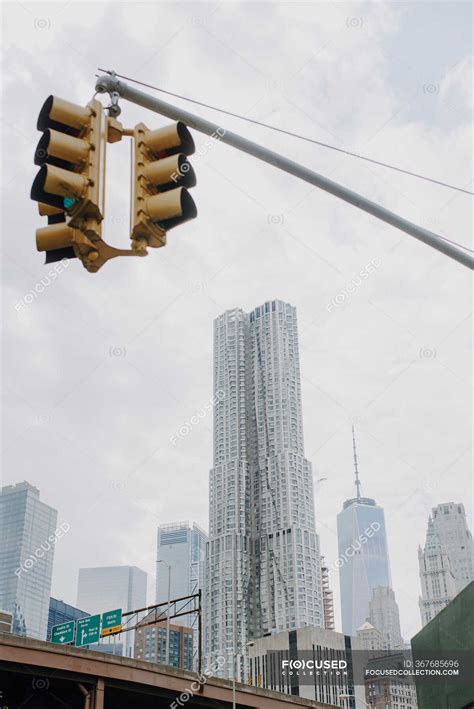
170	140
170	172
171	208
60	149
62	115
55	236
57	187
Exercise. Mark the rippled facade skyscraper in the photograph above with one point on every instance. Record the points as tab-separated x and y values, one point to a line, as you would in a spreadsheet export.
263	570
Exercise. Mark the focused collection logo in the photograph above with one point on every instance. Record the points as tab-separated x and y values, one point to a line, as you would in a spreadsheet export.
294	666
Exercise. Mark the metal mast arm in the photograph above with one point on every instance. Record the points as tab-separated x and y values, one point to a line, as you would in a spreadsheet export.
110	84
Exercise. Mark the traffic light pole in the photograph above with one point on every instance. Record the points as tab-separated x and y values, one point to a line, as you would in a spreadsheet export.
110	84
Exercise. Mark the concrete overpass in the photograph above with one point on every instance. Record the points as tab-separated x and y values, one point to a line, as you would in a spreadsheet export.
40	675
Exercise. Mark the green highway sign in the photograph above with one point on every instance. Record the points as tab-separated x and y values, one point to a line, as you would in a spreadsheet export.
88	630
63	633
111	622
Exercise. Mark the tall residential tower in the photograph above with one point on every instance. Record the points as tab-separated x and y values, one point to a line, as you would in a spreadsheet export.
263	564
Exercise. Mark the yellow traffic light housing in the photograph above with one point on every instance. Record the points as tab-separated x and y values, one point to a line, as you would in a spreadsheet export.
160	200
71	153
70	184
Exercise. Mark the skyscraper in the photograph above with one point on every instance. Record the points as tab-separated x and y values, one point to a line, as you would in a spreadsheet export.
449	521
28	535
438	584
183	547
106	588
384	615
363	555
262	561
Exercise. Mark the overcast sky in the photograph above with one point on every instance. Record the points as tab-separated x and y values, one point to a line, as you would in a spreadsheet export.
100	370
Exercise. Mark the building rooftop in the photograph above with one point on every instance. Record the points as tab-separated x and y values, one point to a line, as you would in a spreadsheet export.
366	626
19	487
359	501
186	524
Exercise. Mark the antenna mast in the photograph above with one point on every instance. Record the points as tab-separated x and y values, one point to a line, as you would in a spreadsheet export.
356	469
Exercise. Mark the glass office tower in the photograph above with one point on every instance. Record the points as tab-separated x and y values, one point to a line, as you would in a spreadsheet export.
363	559
182	546
106	588
27	528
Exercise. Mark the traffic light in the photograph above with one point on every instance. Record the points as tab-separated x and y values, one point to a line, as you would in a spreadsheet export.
160	200
71	153
69	187
70	183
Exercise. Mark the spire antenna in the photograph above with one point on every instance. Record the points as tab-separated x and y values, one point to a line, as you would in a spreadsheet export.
356	469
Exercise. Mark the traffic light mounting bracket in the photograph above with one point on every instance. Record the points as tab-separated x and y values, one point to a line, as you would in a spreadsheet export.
88	243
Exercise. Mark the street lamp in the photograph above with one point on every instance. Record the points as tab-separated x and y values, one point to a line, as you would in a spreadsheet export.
167	660
234	670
